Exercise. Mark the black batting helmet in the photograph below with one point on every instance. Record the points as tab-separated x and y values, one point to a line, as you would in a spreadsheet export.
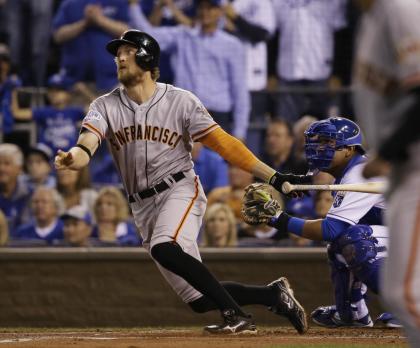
148	50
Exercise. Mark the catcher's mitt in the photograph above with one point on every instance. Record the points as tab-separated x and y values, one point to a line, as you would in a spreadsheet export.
258	205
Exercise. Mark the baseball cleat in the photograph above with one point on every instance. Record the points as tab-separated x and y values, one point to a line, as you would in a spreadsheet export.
232	325
329	317
388	320
288	306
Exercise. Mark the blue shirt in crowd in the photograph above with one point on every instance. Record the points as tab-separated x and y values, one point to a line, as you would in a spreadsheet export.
30	232
85	57
58	128
15	208
210	66
126	234
212	170
6	89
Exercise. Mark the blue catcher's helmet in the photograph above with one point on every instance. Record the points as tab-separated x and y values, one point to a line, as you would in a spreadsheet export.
343	131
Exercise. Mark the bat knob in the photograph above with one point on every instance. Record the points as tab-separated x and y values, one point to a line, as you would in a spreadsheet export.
286	188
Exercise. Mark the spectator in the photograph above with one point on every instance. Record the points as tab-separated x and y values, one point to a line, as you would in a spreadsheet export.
74	186
8	82
77	227
168	13
102	168
210	167
253	22
322	202
3	25
299	129
29	25
14	194
232	195
57	123
46	206
83	28
279	148
208	62
305	52
38	167
4	230
111	215
219	227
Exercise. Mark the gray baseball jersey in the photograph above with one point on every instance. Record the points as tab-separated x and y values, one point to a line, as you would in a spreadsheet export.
149	142
388	54
388	51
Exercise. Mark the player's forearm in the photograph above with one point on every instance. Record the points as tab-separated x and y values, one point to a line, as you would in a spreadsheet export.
89	143
262	171
232	150
80	158
69	31
312	229
309	229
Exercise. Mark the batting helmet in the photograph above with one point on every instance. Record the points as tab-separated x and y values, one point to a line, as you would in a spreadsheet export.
343	131
148	50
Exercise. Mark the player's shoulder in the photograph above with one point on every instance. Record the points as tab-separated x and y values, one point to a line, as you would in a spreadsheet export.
354	175
107	97
180	93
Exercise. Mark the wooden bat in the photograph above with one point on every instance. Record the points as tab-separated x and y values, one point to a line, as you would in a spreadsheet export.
367	187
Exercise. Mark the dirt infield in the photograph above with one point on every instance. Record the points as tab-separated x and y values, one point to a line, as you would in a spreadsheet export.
194	338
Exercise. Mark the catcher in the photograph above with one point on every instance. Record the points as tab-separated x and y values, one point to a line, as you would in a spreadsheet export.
353	225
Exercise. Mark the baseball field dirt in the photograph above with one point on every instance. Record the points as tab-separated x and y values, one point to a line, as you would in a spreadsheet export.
267	337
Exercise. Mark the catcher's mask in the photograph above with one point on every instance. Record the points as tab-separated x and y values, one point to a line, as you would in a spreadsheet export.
323	138
148	50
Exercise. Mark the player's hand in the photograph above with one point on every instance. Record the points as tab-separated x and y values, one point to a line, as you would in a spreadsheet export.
376	166
278	179
63	160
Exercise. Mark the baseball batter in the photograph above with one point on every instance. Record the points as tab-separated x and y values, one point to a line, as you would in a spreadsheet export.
387	100
150	128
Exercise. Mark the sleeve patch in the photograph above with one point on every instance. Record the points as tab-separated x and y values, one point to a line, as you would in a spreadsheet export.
93	115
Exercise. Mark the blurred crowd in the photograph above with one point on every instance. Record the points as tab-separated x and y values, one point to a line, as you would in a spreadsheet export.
265	69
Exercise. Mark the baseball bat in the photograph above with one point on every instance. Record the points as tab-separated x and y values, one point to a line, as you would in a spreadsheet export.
367	187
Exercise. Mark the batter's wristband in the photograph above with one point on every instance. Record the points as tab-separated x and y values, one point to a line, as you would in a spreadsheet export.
85	149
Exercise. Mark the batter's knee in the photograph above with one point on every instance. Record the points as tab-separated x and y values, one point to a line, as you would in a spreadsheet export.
164	253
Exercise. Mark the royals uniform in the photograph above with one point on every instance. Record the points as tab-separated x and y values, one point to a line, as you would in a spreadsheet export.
151	144
349	209
388	54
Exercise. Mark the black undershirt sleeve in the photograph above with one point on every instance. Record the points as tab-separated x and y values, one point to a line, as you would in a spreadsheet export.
251	32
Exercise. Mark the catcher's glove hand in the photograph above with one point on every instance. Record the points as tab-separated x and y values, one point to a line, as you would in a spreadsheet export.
258	205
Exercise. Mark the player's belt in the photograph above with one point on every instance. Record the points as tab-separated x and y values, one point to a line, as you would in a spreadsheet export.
158	188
